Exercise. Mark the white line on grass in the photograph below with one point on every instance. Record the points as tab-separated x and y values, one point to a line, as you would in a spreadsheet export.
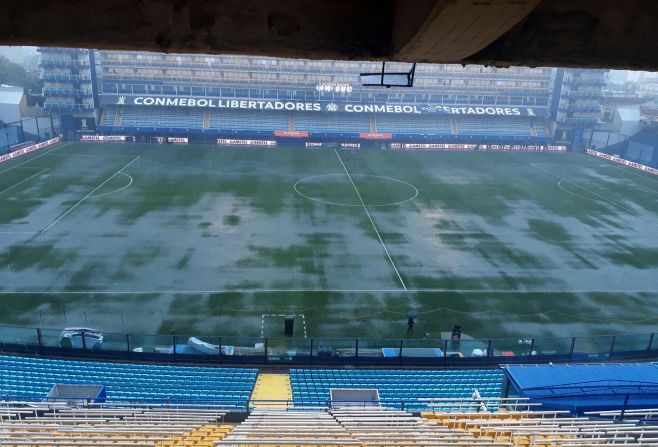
225	291
358	194
625	169
89	195
130	182
628	210
23	181
34	158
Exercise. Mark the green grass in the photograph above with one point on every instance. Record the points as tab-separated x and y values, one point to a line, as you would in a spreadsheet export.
207	239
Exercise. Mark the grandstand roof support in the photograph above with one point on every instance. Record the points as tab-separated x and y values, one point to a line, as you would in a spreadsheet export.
454	30
583	33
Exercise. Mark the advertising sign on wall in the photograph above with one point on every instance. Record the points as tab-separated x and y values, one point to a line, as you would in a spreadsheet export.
238	142
291	133
28	149
306	106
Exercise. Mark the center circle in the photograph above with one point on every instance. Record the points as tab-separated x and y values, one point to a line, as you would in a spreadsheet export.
374	190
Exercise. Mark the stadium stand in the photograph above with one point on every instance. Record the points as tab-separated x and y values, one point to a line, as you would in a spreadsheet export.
544	428
246	120
332	122
436	125
511	424
32	378
411	387
485	125
163	118
39	424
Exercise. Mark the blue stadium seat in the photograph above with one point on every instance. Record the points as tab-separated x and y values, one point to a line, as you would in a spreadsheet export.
311	387
493	125
164	117
32	378
332	122
254	120
414	124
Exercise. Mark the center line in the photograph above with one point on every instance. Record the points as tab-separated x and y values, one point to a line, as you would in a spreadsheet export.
365	208
90	194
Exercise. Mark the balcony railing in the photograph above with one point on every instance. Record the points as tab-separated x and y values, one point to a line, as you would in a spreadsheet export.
64	63
65	77
78	93
60	50
66	107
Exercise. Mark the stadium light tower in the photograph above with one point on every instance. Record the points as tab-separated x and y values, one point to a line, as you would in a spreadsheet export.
389	79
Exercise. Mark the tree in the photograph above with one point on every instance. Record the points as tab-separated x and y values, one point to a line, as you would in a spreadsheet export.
14	74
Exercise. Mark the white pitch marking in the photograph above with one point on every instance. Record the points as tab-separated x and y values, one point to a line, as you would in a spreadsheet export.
34	158
116	190
559	184
628	210
90	194
328	202
371	221
22	181
218	291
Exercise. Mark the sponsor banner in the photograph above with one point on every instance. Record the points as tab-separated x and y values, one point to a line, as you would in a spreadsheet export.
236	142
521	148
106	138
28	149
177	140
349	145
622	161
305	106
376	136
479	147
291	133
435	146
313	144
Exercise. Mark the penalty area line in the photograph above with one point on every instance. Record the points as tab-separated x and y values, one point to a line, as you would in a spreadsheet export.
38	156
89	195
23	181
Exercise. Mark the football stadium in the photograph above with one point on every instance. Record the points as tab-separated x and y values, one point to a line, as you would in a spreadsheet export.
235	248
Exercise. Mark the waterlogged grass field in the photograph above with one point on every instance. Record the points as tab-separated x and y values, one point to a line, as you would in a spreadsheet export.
216	240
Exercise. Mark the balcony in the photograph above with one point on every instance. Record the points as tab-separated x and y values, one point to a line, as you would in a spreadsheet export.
67	107
64	63
61	50
584	94
595	108
68	92
578	122
65	77
585	81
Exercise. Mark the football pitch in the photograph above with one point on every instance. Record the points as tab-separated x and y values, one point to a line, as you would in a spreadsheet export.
206	240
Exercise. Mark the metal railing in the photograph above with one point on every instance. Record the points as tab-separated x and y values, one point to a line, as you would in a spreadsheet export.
440	405
328	351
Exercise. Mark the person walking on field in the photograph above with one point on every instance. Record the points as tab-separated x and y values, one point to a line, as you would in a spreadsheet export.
411	322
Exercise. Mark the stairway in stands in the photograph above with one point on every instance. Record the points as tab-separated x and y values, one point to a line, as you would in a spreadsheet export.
453	126
533	129
271	387
206	120
291	121
373	125
117	119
